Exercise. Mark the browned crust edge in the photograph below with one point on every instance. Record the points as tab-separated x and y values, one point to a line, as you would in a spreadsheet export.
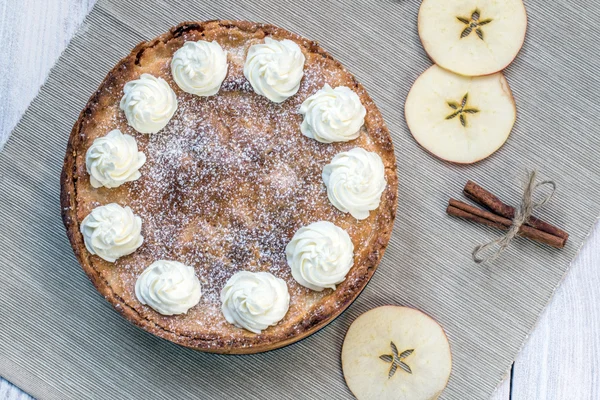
245	345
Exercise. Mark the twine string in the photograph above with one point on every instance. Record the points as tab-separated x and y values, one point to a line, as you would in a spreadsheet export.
522	215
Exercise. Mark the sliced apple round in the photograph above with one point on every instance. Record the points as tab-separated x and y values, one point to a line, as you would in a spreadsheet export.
472	37
397	353
457	118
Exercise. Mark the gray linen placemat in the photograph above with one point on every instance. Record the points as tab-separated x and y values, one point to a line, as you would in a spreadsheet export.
60	339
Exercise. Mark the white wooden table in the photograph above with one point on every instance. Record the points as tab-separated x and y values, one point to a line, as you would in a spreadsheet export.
560	360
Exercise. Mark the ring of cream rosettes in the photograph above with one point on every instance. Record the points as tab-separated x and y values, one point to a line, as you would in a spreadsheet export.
320	255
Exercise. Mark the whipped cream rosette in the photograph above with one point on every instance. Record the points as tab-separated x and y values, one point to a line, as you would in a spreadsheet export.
355	180
254	300
169	287
320	255
200	67
112	231
275	68
113	160
332	115
149	103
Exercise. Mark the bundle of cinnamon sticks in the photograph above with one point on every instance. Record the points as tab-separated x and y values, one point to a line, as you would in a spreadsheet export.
500	216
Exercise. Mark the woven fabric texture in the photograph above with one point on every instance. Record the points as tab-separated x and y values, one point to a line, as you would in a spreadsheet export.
60	339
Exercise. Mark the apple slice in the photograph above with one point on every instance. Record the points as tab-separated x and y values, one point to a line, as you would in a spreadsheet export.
457	118
396	353
472	37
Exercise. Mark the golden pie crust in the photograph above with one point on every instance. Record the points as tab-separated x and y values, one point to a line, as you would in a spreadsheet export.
225	186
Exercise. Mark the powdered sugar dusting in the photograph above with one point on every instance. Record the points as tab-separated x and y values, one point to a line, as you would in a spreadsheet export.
226	184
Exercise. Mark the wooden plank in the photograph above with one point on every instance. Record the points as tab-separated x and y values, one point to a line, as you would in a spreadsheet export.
33	33
10	392
561	359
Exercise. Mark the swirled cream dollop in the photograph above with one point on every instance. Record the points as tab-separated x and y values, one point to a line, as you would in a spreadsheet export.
169	287
254	300
112	231
113	160
199	67
320	255
332	115
275	68
149	103
355	180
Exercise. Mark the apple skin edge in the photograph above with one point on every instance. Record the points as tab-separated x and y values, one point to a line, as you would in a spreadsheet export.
506	88
419	25
413	309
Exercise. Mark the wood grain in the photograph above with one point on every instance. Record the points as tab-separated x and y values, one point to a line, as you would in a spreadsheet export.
11	392
34	33
560	360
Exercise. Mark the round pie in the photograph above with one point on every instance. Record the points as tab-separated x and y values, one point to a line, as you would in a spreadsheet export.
214	176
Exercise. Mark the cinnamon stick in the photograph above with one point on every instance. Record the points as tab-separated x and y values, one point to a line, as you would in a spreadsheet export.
481	196
457	212
463	210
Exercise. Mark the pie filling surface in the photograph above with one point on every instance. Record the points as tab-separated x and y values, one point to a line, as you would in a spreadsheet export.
225	185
